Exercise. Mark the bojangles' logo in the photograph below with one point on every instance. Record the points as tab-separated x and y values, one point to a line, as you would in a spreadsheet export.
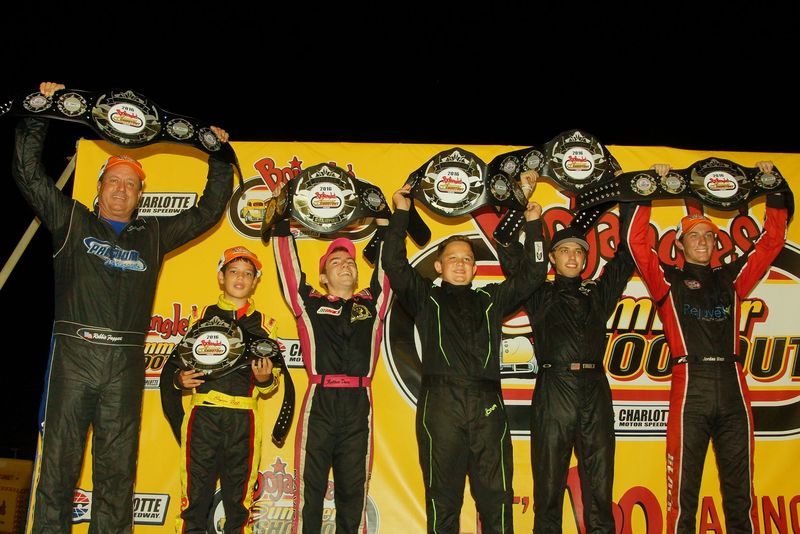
577	163
450	184
323	199
126	117
246	208
273	498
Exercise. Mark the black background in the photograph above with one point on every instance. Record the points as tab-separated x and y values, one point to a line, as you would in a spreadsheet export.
721	79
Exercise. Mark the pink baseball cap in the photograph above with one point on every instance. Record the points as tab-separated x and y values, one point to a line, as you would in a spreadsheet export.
338	243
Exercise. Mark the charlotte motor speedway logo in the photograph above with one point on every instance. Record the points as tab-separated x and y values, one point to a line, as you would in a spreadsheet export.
148	508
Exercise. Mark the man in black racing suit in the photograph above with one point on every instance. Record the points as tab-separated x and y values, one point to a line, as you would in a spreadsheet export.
571	406
106	264
462	427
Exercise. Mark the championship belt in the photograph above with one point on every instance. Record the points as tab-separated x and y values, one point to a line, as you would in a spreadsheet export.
325	198
455	182
715	182
573	160
218	347
123	117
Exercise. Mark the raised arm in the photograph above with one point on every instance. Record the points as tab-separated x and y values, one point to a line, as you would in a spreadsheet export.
290	273
768	245
379	286
618	270
51	205
411	288
177	230
531	271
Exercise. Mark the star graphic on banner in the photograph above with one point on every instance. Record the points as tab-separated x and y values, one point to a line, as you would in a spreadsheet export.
296	163
279	466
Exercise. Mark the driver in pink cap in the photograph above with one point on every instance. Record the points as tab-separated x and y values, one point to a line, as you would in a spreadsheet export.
340	335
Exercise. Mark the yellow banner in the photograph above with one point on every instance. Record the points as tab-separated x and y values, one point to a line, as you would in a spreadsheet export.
175	175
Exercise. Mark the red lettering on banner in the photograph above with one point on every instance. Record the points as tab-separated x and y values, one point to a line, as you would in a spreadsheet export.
777	517
554	219
730	245
793	512
647	501
709	518
275	177
665	247
774	516
744	232
576	497
608	237
524	500
169	327
274	484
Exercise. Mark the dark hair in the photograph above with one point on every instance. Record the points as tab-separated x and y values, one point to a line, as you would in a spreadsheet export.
453	239
240	258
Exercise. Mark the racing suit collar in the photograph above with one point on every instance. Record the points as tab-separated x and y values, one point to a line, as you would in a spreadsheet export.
134	216
696	269
567	282
451	288
225	304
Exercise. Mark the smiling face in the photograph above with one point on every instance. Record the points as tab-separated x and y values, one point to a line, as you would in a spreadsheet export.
456	263
697	244
118	193
341	274
568	259
238	280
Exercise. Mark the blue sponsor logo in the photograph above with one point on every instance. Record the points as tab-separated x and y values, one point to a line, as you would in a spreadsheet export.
115	257
717	313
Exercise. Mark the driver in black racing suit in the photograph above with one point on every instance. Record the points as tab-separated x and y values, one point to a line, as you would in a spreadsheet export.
106	265
462	427
571	406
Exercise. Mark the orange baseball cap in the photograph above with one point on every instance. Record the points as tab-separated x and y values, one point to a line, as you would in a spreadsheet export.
235	253
340	242
114	161
690	221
